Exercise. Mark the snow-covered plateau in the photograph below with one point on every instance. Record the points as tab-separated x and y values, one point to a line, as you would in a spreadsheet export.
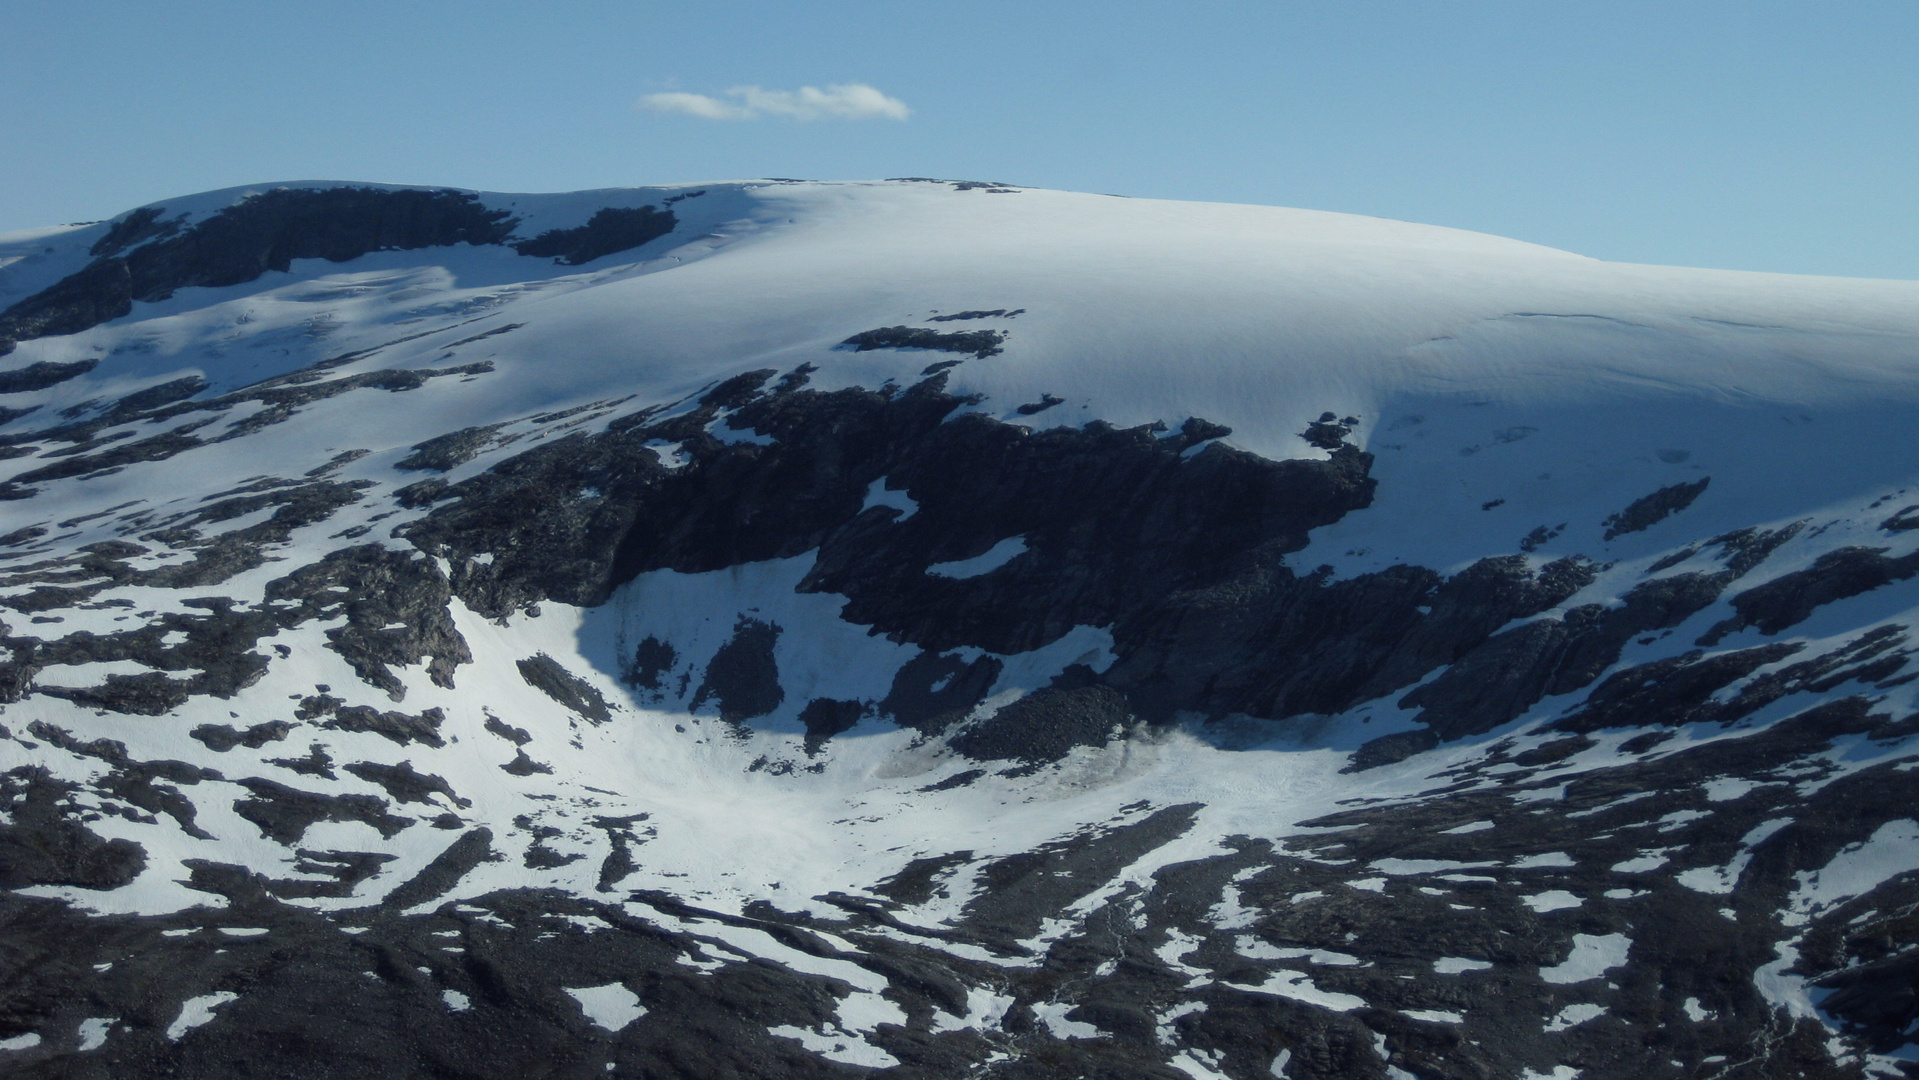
935	629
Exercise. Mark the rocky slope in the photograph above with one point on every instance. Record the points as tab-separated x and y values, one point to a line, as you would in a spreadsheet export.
944	629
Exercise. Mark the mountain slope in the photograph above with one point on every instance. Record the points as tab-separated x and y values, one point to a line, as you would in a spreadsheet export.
808	629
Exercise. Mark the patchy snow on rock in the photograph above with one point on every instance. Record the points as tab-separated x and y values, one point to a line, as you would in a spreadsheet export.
1087	578
1891	850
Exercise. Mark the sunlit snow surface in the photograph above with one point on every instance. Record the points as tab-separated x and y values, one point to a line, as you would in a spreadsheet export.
1501	386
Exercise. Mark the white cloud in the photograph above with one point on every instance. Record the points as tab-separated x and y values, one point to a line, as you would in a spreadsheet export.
844	101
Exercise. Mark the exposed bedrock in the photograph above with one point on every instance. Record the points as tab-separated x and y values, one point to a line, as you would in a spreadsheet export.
1173	541
146	257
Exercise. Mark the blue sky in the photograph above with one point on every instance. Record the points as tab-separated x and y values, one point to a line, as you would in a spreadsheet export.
1757	136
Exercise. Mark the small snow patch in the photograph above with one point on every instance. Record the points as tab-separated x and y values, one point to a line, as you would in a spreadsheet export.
1725	789
994	557
845	1049
1554	900
197	1011
93	1032
1592	956
1574	1015
1298	986
1453	965
21	1042
456	1001
1539	862
612	1006
1053	1015
877	494
1400	867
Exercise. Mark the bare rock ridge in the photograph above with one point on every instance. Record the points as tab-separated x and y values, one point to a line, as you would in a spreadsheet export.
147	257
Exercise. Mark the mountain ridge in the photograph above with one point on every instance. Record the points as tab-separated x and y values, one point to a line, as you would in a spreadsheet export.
938	628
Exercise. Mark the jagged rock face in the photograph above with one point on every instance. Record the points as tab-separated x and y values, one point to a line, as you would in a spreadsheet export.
454	634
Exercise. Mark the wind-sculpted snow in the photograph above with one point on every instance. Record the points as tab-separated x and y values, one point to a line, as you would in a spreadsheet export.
632	633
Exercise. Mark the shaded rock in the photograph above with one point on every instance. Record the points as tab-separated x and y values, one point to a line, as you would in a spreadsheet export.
1047	724
652	659
743	678
1645	512
1391	749
826	717
45	373
1789	598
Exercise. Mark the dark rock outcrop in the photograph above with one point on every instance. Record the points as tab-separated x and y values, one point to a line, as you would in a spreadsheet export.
981	343
545	674
261	233
1650	510
609	231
